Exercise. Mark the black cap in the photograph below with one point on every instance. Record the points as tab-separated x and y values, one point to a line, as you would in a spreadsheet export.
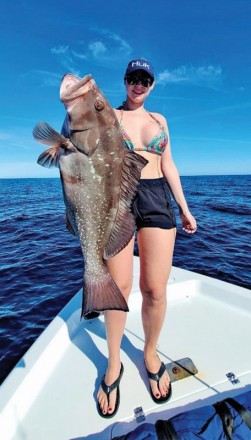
140	64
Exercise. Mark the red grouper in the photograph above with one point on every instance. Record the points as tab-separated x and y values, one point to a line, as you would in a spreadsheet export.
99	180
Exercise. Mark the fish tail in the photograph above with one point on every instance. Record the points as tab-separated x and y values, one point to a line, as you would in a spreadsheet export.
101	294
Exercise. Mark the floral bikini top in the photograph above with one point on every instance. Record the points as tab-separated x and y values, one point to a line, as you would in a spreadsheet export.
157	144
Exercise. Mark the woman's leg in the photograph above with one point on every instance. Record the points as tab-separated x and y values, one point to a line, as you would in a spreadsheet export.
156	252
121	270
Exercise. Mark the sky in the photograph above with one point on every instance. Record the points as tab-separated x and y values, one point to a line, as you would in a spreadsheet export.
200	49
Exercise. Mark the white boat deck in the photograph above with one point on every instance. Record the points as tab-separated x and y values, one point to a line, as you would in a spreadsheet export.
50	394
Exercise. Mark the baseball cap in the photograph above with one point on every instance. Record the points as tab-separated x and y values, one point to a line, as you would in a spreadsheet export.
140	64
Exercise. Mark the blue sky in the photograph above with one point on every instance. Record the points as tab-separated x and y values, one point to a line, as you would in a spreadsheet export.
201	54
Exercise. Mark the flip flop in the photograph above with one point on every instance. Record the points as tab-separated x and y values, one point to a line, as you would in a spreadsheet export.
108	389
157	378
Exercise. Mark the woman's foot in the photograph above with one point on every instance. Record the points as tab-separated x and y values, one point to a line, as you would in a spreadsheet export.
109	393
159	380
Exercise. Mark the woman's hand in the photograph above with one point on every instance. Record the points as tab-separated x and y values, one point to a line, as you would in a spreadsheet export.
188	222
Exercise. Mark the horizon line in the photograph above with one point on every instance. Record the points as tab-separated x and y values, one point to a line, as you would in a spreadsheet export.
181	175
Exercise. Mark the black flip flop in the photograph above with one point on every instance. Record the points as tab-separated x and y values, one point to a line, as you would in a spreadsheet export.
108	389
157	378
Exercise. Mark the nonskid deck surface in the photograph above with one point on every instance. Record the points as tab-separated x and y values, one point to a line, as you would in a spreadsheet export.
207	320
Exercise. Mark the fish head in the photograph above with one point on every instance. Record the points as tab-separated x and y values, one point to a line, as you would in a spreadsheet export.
90	115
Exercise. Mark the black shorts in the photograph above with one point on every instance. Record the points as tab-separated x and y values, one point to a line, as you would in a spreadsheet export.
152	205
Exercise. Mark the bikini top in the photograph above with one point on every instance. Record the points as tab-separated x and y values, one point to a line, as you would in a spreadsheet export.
157	144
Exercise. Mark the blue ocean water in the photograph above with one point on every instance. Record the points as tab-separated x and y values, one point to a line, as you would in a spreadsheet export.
41	264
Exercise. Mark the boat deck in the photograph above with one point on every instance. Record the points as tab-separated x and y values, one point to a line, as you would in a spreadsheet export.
51	392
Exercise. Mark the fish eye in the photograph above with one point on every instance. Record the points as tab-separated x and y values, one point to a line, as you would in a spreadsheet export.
99	104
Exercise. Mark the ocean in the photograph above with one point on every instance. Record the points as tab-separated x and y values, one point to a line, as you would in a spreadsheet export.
41	265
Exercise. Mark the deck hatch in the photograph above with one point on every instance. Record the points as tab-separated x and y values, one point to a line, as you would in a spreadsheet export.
180	369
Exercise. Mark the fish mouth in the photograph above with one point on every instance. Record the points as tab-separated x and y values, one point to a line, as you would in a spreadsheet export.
72	88
76	132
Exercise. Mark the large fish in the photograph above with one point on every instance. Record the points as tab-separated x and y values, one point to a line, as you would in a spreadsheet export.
99	180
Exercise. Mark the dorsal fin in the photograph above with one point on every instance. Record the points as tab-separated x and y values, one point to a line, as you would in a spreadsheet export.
124	225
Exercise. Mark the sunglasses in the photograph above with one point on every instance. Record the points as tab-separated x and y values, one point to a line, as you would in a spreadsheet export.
135	80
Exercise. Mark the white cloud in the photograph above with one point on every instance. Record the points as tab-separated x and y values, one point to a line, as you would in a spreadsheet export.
103	48
97	48
210	76
45	77
50	79
60	49
116	46
109	48
81	56
123	45
66	58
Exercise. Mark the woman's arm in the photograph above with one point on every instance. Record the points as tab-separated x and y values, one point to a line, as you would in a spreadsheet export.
171	174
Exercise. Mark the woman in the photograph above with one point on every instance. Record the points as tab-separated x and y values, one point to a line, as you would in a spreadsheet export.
147	134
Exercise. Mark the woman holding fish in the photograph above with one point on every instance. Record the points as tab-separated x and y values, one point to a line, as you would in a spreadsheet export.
102	156
147	134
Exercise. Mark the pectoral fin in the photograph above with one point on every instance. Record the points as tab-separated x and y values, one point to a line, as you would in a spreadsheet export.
45	134
49	158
